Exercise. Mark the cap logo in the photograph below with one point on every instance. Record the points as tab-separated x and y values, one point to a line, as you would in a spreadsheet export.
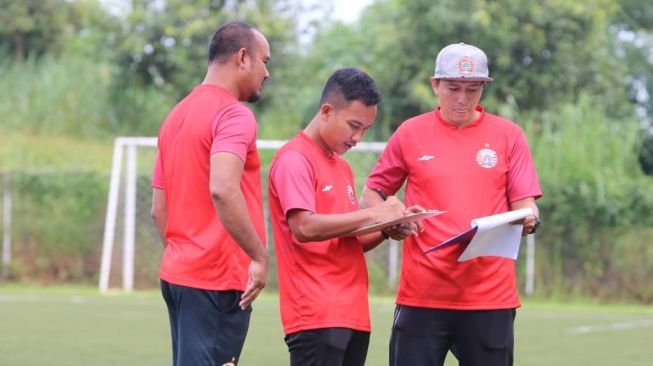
465	65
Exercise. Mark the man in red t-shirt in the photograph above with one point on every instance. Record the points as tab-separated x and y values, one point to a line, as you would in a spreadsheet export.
207	203
322	271
470	163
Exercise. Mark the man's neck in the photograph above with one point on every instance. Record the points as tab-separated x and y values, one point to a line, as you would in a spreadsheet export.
223	79
313	132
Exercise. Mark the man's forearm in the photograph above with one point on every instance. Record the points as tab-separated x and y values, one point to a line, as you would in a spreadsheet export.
370	198
234	215
160	223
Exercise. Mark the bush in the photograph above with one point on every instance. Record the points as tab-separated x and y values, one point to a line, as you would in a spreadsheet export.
57	223
594	193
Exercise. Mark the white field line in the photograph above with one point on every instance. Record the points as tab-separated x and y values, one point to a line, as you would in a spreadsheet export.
72	299
584	329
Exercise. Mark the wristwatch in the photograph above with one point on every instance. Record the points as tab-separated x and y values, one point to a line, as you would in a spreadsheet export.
537	224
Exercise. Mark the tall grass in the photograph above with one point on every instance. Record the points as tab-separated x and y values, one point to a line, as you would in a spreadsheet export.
50	96
595	197
76	96
40	153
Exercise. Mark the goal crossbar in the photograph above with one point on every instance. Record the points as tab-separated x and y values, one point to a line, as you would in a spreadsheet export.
130	144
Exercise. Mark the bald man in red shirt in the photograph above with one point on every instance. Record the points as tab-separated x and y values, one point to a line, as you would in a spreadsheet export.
470	163
207	203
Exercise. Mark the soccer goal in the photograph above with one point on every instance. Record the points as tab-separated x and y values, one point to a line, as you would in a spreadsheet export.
128	219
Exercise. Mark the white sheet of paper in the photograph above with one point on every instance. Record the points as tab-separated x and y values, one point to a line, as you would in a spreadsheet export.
496	236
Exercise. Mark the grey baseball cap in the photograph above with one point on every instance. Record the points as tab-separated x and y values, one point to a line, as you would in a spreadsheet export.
462	61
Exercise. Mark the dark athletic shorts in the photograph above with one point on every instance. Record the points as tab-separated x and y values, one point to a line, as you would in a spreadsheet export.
208	327
423	336
328	347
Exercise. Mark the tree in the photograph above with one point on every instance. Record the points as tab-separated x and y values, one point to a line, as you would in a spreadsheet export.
164	43
32	25
541	53
634	28
46	26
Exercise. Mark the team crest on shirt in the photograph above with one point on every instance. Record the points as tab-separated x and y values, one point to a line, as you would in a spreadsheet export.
486	157
350	194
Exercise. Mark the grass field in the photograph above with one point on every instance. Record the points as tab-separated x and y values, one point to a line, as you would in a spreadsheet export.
63	326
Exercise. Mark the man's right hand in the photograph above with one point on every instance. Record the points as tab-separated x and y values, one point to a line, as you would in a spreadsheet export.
402	231
390	209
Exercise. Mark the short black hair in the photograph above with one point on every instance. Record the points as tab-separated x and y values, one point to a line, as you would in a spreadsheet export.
230	38
347	85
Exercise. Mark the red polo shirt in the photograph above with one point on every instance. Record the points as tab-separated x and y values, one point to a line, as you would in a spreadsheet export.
471	172
321	284
200	252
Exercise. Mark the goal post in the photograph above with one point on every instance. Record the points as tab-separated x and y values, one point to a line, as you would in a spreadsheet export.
130	143
124	191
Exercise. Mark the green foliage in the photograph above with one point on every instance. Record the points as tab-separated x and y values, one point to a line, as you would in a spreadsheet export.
637	14
48	153
58	227
71	95
594	190
164	44
542	53
38	27
52	95
161	53
646	155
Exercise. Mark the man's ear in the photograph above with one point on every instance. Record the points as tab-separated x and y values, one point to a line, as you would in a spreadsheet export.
326	110
242	57
434	85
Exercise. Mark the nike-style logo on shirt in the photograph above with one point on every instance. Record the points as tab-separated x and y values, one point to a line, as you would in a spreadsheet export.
426	157
327	188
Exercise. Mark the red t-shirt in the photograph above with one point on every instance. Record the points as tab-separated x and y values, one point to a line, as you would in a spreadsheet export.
200	252
471	172
321	284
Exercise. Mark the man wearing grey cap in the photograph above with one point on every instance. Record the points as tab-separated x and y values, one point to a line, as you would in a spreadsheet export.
470	163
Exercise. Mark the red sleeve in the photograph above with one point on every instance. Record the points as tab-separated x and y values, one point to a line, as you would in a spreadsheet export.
157	174
390	171
292	182
522	178
234	131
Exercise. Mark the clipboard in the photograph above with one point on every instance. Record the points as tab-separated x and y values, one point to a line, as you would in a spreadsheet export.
463	238
494	235
408	218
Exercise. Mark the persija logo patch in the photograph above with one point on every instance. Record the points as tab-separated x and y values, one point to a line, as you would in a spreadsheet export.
487	158
465	65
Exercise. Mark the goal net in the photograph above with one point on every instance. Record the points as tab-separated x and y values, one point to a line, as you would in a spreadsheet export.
131	250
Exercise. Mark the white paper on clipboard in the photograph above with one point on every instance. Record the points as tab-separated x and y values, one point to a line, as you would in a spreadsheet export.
496	236
489	236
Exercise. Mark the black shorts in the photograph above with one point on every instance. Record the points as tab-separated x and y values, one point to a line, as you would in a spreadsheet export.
423	336
328	347
208	327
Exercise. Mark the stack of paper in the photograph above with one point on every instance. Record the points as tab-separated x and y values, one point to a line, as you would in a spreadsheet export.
491	235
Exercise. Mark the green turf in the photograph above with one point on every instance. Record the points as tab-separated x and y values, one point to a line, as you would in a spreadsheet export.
76	326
